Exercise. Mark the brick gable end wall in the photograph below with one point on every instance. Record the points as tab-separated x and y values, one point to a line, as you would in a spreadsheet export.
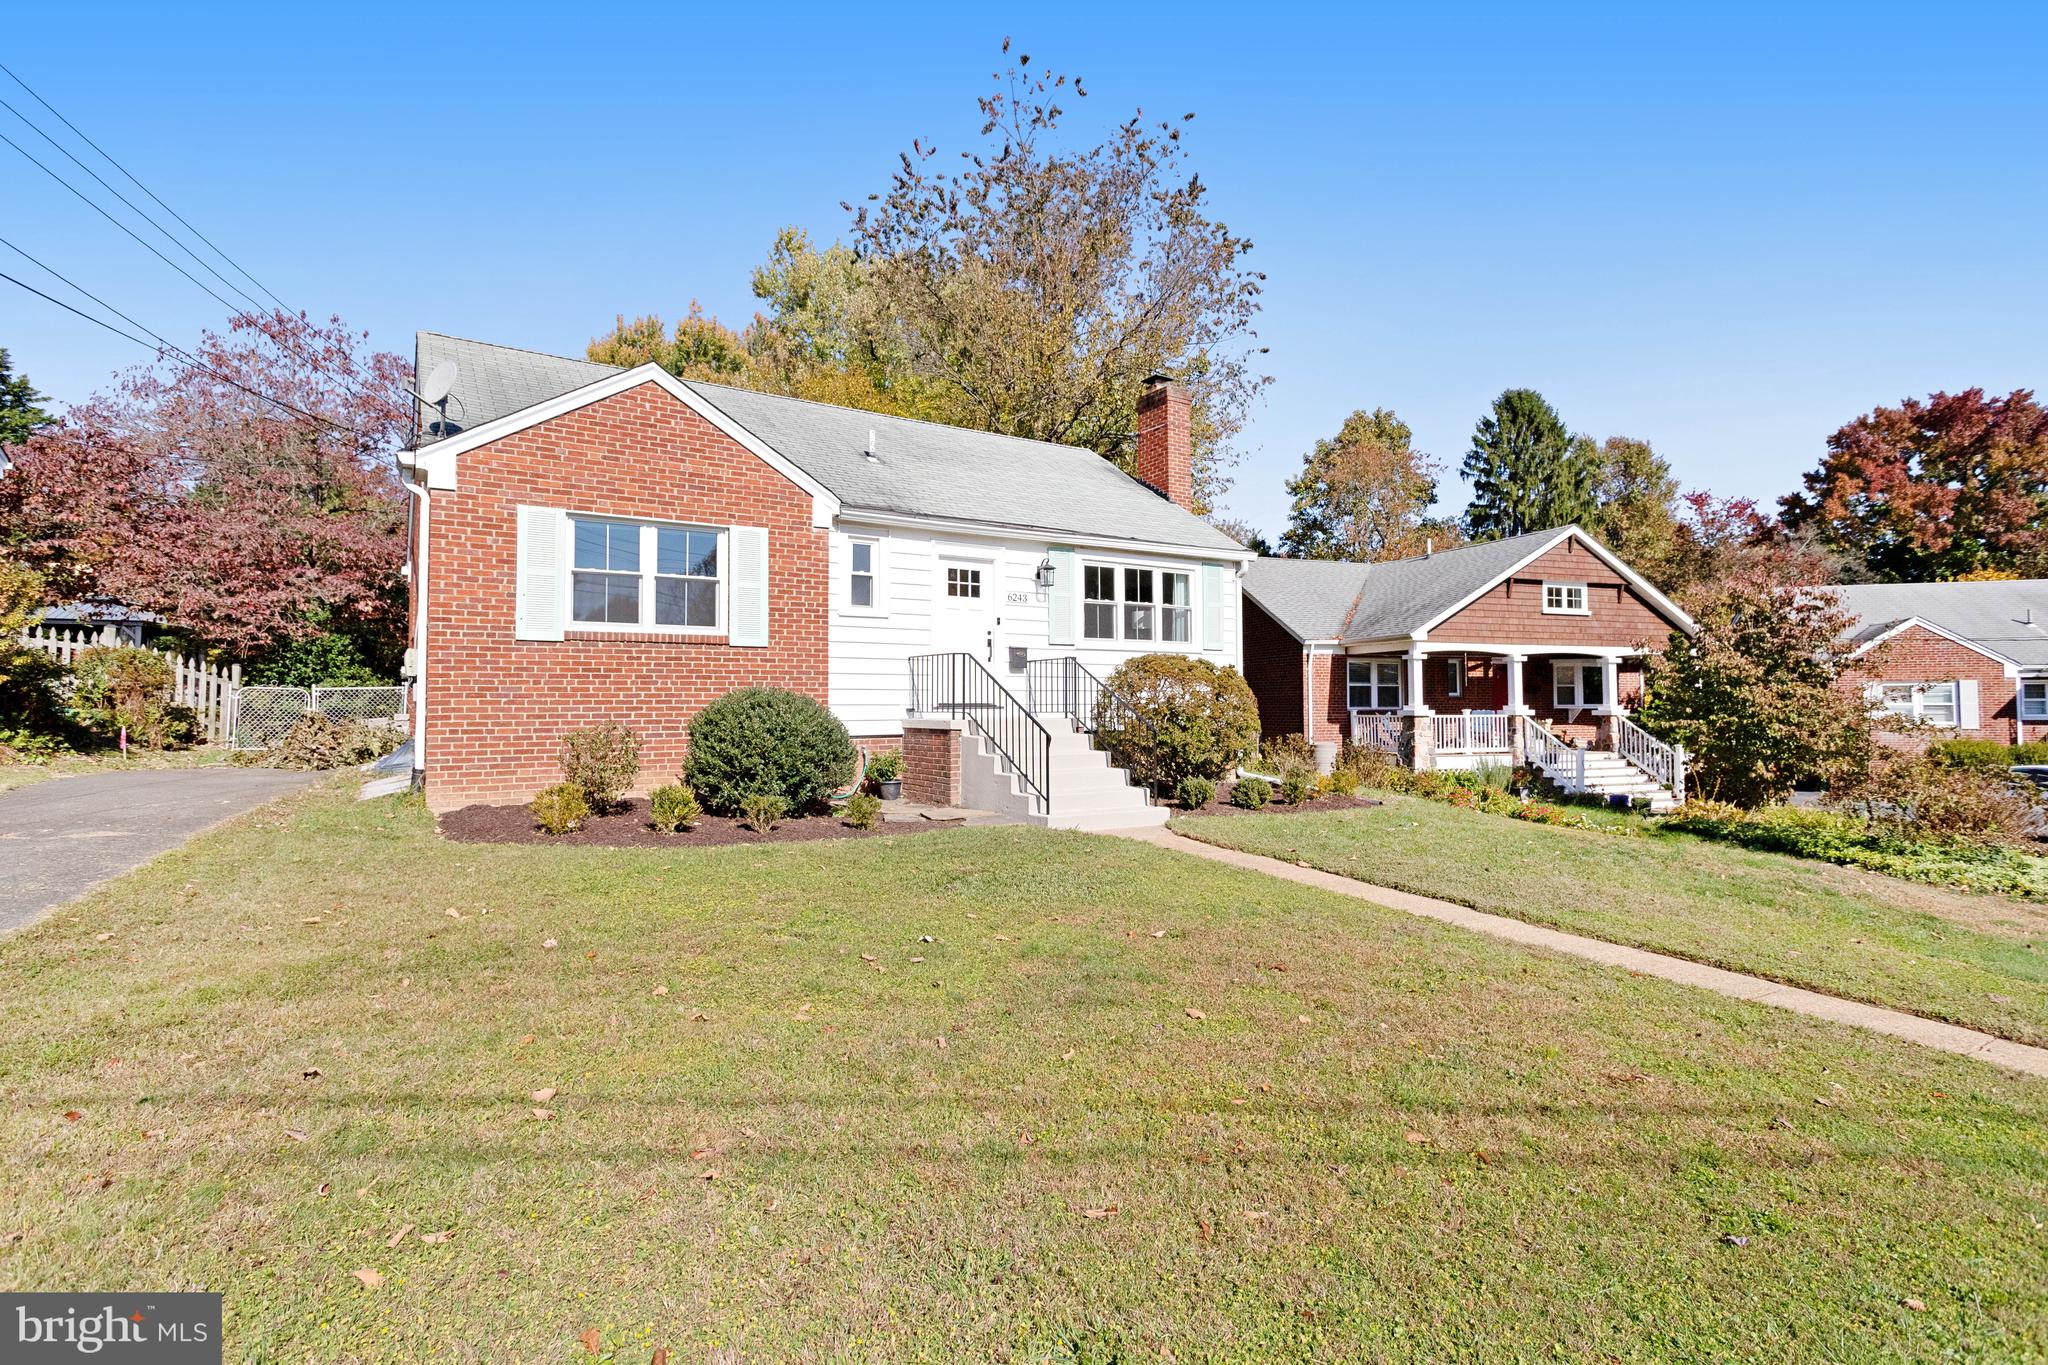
1917	654
497	707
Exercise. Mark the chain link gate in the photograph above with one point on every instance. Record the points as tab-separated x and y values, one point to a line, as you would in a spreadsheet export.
263	714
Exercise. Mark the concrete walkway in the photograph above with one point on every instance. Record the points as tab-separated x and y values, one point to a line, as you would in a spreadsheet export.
59	839
1911	1027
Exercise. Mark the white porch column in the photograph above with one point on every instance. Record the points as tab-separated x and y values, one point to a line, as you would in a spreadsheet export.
1610	686
1517	705
1417	706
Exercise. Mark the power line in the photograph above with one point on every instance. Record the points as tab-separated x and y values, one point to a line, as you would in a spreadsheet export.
232	308
254	302
144	188
177	356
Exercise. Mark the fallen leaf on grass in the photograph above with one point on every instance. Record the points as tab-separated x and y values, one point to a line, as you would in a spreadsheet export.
711	1174
659	990
544	1094
1415	1138
867	957
1917	1305
926	938
311	1073
660	1356
295	1134
1159	933
1067	1056
1303	1019
702	1152
101	938
399	1236
543	1114
452	913
72	1116
370	1278
434	1239
325	1188
941	1041
1106	1211
590	1340
698	1016
915	960
1194	1013
548	943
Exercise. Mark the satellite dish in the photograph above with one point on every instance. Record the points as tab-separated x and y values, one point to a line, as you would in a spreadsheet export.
439	380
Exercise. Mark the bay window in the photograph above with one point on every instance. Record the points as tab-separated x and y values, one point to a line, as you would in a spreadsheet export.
644	574
1137	605
1373	684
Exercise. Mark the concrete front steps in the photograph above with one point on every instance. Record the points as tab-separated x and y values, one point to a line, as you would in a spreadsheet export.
1087	791
1609	774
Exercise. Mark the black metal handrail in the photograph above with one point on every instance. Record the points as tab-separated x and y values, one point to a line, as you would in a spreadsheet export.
1068	687
960	686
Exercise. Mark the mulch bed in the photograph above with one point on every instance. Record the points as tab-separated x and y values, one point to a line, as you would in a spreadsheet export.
628	827
1221	806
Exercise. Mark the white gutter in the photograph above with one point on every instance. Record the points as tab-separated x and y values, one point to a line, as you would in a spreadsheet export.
419	641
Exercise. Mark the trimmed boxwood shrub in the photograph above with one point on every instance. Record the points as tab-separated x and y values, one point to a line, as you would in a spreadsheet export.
1194	719
1970	753
1251	793
764	741
1195	792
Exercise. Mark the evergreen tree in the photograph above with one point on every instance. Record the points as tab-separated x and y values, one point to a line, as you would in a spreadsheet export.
19	414
1525	473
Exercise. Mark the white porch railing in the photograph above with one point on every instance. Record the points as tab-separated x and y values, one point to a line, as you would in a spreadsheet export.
1380	730
1471	732
1665	763
1565	764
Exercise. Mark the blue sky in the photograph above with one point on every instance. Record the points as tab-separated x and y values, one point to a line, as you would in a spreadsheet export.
1724	233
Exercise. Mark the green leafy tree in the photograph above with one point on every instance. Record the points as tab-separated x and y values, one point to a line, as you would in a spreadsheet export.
1636	507
1036	281
1244	533
1362	494
1527	473
19	414
1760	695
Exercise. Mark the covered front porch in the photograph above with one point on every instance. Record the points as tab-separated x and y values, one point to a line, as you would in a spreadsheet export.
1562	709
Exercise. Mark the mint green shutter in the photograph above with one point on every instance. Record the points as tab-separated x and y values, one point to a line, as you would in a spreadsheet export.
1212	607
1065	570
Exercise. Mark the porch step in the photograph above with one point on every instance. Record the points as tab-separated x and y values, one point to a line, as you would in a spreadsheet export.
1609	774
1086	791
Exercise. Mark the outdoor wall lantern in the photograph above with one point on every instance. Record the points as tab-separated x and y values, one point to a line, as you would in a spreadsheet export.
1043	576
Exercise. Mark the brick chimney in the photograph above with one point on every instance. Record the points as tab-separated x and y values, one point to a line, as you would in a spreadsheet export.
1166	447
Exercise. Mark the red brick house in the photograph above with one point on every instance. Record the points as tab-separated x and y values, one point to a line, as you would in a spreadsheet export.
1523	649
1966	660
591	543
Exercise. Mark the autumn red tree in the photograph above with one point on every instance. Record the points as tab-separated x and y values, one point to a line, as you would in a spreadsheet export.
249	499
1935	489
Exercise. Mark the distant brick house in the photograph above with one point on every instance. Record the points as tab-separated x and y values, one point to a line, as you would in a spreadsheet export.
1963	659
1523	649
591	543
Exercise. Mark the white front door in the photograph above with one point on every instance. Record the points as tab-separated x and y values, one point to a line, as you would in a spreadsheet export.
965	621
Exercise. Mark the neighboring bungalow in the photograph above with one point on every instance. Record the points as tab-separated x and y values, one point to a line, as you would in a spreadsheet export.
593	543
1527	649
1967	660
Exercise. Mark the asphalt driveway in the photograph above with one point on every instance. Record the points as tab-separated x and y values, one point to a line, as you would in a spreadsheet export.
60	838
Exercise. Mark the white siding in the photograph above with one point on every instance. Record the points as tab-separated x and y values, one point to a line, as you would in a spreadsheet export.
870	650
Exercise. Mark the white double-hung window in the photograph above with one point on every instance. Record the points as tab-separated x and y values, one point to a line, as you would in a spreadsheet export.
2034	699
1565	599
860	574
1930	703
646	575
1373	684
1137	605
1574	683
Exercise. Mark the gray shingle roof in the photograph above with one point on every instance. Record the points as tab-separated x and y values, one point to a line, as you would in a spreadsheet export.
1324	599
2010	619
921	468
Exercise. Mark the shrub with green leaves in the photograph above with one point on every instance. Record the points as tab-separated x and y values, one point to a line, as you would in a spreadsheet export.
1186	717
325	660
1834	837
560	808
602	762
2032	752
1193	793
764	741
763	811
864	810
117	687
1251	793
1283	756
886	766
675	807
1338	782
1297	788
1971	753
1367	766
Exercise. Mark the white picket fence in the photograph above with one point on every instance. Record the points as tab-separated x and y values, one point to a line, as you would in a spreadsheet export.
212	691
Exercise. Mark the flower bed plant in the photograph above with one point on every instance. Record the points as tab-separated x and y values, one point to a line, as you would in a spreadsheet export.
1830	837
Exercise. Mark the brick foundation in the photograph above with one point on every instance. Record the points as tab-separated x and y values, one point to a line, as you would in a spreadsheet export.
931	762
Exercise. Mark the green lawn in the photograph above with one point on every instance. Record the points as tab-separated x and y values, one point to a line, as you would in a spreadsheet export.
1976	960
14	776
1179	1111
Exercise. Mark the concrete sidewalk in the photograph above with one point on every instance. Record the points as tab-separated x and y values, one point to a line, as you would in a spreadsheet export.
60	838
1914	1029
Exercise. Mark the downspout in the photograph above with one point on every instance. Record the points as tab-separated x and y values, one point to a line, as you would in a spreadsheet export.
419	640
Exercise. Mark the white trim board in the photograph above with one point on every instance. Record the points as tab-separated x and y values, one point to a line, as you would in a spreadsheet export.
438	461
857	516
